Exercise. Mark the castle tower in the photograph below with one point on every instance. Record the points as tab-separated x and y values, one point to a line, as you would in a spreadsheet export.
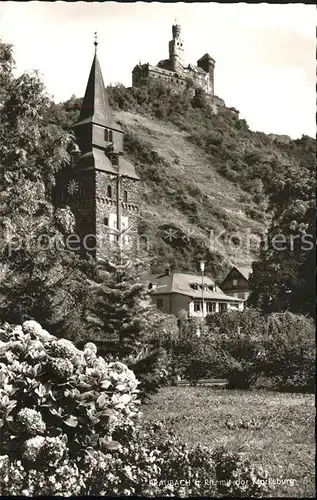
101	187
176	49
207	63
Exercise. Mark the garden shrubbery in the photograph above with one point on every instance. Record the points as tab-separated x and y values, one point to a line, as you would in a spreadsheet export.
290	352
237	345
249	347
192	355
57	403
69	426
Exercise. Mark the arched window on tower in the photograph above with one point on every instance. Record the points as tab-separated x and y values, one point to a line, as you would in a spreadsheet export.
110	136
106	135
125	196
109	192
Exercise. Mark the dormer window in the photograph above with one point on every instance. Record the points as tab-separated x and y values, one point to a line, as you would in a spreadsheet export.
211	288
194	286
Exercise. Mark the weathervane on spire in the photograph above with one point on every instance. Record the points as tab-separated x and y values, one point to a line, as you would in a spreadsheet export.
96	41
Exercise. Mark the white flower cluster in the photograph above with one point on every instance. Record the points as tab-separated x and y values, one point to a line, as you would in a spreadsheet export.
66	480
62	348
31	421
63	388
121	376
60	367
54	449
33	448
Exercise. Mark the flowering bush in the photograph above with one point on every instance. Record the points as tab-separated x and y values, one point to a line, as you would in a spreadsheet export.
56	402
153	462
69	426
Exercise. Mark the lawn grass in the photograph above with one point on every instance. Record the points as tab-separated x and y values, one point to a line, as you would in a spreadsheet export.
283	442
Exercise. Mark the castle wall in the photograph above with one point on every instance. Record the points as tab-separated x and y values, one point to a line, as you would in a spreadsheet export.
201	80
167	77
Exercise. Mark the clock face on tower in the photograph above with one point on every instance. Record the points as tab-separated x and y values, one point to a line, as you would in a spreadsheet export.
72	187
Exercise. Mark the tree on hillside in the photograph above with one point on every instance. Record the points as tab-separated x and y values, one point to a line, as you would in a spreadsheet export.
283	278
39	277
64	114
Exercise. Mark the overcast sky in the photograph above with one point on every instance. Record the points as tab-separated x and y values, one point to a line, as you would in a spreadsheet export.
265	54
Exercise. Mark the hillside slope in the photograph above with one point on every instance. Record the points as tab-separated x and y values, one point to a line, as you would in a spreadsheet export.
186	205
205	179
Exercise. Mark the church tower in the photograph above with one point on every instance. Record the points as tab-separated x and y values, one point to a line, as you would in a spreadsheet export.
101	186
176	49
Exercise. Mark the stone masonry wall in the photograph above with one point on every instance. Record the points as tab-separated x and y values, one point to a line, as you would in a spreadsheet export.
77	190
106	209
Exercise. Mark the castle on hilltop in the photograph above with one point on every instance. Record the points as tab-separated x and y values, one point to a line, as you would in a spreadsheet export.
173	72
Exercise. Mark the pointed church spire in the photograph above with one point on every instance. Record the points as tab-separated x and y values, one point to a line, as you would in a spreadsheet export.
95	107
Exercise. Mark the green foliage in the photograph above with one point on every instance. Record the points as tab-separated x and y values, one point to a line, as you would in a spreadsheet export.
153	369
248	349
39	278
283	278
118	309
290	352
57	402
270	428
154	366
252	156
237	346
192	354
117	304
68	428
228	347
158	464
249	345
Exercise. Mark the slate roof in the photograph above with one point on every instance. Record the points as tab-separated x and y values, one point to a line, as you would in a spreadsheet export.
97	160
206	56
180	283
95	107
